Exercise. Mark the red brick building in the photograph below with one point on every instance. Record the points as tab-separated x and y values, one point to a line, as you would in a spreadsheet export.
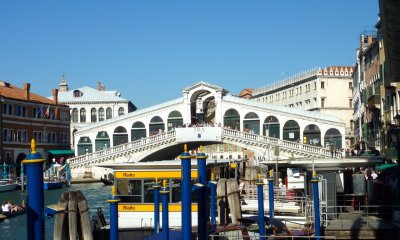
25	115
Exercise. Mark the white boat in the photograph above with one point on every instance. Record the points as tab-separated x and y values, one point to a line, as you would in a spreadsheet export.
7	185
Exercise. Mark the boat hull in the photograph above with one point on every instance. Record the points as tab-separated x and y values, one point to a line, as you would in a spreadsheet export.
52	185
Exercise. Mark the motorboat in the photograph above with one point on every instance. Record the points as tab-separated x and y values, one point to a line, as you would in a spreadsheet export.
7	185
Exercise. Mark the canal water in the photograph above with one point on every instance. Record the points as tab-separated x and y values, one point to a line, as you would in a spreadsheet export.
16	229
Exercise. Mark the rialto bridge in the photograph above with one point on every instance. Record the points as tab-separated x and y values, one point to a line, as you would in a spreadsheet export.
206	114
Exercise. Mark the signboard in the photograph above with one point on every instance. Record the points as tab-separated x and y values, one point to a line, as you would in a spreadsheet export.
198	134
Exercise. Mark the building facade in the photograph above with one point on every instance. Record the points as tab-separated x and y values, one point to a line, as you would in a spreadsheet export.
26	116
314	90
89	105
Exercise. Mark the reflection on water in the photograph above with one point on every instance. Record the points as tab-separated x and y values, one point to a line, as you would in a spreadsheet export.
15	228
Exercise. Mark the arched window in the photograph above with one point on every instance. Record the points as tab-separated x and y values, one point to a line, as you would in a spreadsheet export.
108	113
121	111
75	115
93	114
101	114
77	93
83	115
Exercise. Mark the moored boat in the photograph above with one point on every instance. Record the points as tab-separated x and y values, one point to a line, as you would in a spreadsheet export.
7	185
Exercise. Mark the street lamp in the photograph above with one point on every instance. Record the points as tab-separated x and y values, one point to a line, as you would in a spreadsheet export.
397	134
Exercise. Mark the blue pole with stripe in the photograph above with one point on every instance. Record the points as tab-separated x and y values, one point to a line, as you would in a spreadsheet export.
271	195
260	196
113	200
213	201
35	199
186	194
202	195
317	221
156	188
165	221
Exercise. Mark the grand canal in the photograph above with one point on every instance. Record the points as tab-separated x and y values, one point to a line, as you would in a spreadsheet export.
16	229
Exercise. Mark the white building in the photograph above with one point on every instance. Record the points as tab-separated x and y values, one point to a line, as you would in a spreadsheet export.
89	105
327	90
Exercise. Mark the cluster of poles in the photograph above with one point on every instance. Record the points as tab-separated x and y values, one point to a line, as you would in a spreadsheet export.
35	201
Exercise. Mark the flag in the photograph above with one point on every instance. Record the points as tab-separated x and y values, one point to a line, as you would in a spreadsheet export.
47	113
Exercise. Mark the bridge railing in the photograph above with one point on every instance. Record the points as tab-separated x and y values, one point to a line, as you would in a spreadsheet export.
121	148
315	150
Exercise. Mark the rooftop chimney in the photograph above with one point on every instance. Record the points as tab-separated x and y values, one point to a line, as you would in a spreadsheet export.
55	96
27	88
100	87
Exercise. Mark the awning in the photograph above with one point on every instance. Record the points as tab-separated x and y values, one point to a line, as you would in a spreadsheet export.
388	166
61	152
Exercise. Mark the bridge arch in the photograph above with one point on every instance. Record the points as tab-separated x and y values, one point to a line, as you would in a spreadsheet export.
138	131
232	119
156	125
120	136
291	131
333	137
271	127
85	146
251	123
312	135
174	120
102	140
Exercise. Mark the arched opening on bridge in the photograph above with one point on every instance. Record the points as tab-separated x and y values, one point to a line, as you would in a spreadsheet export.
120	136
84	146
312	135
174	120
102	141
209	110
333	138
73	136
291	131
271	127
156	126
232	119
251	123
138	131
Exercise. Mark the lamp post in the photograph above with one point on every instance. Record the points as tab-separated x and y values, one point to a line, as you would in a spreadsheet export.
397	133
1	127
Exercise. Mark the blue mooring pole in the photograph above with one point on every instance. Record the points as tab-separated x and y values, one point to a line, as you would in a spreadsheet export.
113	200
35	199
202	195
260	196
317	221
271	195
164	200
156	188
186	194
4	170
213	201
22	177
68	172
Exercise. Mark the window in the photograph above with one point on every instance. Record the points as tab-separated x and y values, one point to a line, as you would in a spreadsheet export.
108	113
315	85
350	85
351	103
74	115
37	136
322	85
77	93
21	111
51	137
322	102
101	114
8	135
93	114
64	137
22	136
83	115
121	111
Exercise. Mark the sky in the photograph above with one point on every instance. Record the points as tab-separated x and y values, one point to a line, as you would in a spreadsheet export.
151	50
